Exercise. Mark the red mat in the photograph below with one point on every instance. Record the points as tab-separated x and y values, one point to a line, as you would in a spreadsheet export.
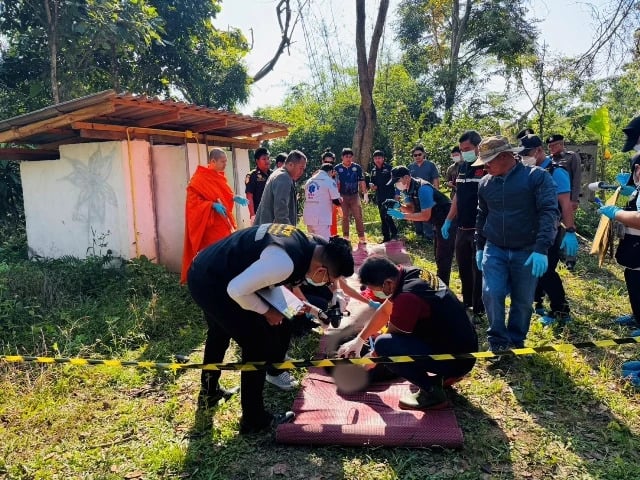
325	417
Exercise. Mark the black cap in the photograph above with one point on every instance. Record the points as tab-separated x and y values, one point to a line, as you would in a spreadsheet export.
529	142
556	137
397	173
327	167
378	153
632	131
523	132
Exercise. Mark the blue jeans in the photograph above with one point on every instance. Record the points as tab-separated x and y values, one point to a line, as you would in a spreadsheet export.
504	273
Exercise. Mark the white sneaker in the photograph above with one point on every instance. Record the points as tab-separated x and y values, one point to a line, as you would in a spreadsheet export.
283	381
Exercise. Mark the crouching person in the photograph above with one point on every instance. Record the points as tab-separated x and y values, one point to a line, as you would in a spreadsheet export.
422	317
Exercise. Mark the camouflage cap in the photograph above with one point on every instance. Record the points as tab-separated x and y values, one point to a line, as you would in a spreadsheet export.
491	147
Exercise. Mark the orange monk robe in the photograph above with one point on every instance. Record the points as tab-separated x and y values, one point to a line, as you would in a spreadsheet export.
202	224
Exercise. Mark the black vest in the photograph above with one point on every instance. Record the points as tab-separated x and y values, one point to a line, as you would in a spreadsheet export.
226	259
448	330
441	208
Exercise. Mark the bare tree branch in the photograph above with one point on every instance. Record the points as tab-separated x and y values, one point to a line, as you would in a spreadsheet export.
287	27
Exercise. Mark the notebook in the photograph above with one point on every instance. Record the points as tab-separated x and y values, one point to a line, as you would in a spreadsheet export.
283	300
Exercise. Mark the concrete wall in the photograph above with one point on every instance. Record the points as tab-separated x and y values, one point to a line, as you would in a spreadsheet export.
125	197
83	204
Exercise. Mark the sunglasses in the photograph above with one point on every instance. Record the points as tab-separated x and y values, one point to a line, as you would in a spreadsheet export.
417	154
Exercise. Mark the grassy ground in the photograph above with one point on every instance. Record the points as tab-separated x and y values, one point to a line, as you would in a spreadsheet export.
547	416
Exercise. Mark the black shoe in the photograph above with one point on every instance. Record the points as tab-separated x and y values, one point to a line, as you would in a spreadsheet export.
432	399
210	400
267	422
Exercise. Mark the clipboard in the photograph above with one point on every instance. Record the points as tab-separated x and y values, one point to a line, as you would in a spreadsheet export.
283	300
603	233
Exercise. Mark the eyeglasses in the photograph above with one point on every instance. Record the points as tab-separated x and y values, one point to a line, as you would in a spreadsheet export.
417	154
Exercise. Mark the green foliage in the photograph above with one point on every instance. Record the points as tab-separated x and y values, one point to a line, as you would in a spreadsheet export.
452	54
11	203
154	47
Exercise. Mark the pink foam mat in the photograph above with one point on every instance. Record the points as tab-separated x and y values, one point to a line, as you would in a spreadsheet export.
372	417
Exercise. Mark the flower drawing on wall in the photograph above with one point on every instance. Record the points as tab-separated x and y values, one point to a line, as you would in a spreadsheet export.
95	193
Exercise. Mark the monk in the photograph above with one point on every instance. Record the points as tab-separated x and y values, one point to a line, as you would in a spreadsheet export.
209	208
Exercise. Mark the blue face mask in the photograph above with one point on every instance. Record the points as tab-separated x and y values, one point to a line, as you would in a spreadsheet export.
469	156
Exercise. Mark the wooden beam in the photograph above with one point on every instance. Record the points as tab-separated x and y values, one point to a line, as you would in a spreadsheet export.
210	126
159	119
108	135
28	154
276	134
56	122
247	131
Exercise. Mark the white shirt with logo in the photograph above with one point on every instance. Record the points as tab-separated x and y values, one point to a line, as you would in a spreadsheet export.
319	192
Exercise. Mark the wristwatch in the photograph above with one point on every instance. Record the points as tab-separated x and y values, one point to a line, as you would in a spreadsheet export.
570	229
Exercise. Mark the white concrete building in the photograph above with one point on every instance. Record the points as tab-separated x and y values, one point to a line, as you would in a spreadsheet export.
109	172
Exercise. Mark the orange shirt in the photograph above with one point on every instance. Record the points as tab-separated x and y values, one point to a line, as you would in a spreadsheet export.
203	225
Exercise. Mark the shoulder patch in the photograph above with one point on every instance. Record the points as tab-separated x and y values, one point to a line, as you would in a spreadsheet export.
247	179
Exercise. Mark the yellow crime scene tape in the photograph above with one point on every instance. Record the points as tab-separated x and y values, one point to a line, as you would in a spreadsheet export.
327	362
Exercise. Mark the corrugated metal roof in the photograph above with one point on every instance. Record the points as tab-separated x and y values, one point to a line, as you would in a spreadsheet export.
107	115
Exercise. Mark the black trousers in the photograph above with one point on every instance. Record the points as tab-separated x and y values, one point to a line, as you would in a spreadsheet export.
387	224
632	278
470	276
444	252
258	340
551	283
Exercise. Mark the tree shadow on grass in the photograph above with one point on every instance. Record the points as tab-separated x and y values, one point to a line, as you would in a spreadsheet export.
577	421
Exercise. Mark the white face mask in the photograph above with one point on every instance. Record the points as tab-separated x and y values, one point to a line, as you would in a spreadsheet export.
529	161
379	294
312	282
469	156
400	186
456	158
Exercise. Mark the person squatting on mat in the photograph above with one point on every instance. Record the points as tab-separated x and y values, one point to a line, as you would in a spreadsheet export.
422	317
628	251
223	281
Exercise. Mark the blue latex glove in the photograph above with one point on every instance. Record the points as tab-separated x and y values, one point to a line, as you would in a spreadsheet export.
218	207
623	178
397	214
538	262
609	211
627	190
243	202
479	254
445	229
373	304
570	244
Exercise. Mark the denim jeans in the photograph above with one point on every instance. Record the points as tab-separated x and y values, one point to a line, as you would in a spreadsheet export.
504	273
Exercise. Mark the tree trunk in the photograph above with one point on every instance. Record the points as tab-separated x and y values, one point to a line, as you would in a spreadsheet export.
458	28
51	10
367	119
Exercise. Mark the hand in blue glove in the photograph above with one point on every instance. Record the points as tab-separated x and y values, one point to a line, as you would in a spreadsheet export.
445	229
243	202
627	190
538	262
479	255
570	244
218	207
397	214
609	211
373	304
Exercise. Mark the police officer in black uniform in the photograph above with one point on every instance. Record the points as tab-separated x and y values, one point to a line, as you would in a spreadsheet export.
223	281
380	176
256	179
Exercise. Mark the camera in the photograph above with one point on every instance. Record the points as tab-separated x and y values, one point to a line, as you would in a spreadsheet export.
332	315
